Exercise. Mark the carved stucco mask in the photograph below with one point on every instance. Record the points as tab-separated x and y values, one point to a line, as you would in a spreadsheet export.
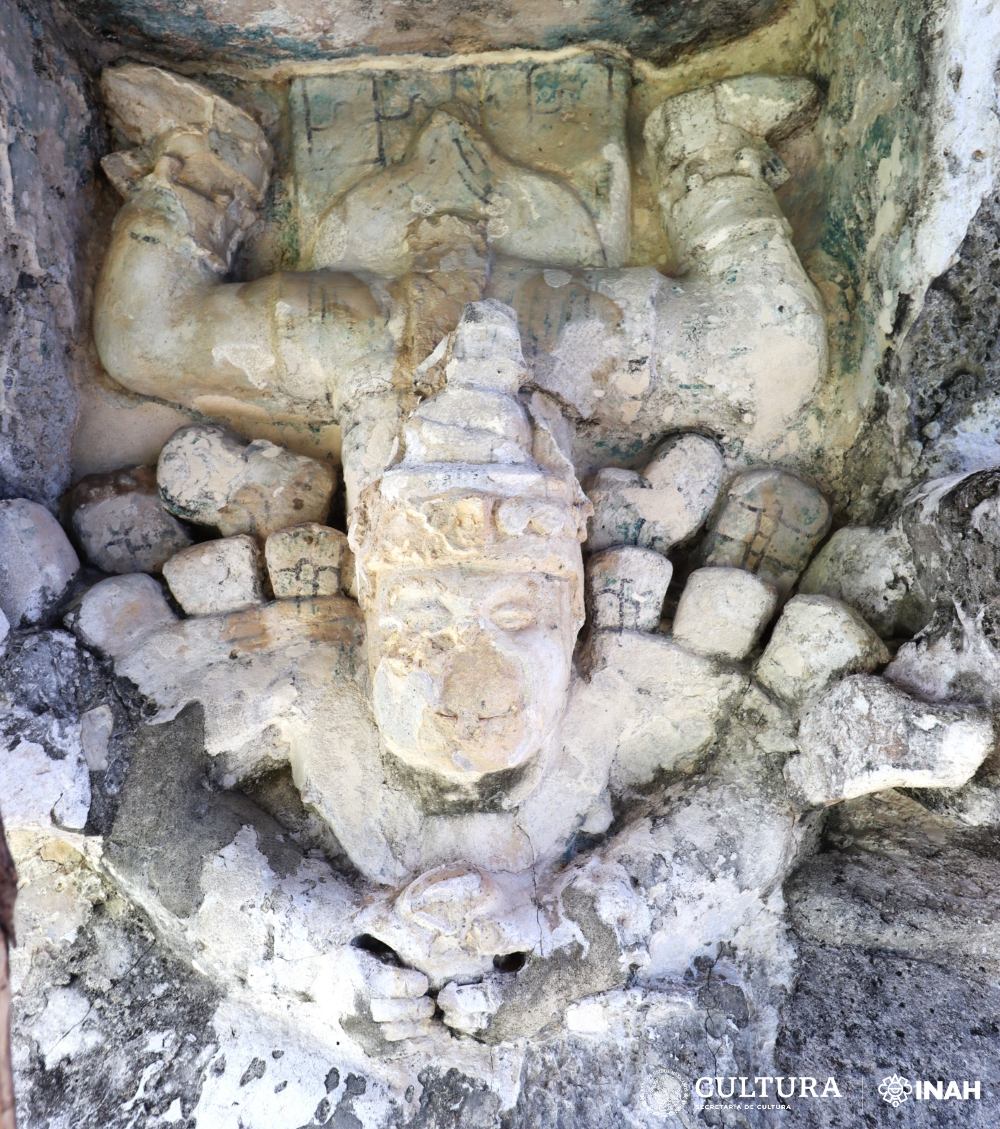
470	569
469	667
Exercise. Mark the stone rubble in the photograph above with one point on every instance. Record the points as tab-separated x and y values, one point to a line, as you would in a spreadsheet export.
816	641
307	560
770	523
209	476
118	613
873	571
663	504
121	524
37	562
722	612
225	575
626	587
865	735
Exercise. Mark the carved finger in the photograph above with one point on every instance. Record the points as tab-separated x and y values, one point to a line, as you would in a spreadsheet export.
401	1010
469	1007
467	1023
396	1032
389	982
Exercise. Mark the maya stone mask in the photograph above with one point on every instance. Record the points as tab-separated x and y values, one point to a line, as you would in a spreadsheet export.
470	569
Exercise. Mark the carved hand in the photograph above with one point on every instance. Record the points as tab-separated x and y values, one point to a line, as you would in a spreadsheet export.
395	997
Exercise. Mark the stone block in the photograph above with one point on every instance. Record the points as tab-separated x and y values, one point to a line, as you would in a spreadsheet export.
306	560
816	641
37	562
873	571
769	524
865	735
210	477
626	588
663	504
217	576
121	523
722	612
118	613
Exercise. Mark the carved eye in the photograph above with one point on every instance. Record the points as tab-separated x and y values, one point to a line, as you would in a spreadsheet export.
427	618
513	617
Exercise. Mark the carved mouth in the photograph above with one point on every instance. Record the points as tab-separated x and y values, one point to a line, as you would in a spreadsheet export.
450	715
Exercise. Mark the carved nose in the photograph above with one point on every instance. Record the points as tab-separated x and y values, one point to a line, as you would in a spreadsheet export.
480	683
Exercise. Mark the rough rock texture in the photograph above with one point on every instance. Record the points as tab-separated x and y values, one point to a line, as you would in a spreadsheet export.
118	613
209	477
866	735
217	576
949	362
815	642
722	612
37	562
307	560
121	524
896	917
303	29
49	142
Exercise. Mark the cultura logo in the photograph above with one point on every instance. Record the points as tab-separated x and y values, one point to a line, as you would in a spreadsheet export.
894	1090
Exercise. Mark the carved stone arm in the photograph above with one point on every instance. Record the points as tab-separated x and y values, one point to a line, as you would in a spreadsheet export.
742	319
165	322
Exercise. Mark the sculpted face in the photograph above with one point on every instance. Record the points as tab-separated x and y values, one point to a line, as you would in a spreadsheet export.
469	667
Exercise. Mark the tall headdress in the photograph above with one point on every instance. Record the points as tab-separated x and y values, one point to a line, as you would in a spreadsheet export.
480	480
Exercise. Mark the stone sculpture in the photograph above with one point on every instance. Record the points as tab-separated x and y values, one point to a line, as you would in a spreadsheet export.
490	707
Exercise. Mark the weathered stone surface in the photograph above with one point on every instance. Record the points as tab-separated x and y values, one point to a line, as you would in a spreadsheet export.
954	659
953	526
694	697
639	803
210	477
625	589
96	729
873	571
49	199
79	942
121	524
302	29
48	779
949	361
307	560
663	504
817	641
722	612
865	735
37	562
217	576
117	614
147	103
897	878
942	1026
476	144
770	523
47	683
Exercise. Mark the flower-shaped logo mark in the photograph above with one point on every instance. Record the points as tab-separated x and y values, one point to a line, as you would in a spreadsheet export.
894	1090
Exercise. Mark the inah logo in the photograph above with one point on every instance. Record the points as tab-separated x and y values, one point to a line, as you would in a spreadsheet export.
894	1090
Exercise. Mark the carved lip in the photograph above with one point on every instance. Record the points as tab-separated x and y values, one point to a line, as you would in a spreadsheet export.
450	715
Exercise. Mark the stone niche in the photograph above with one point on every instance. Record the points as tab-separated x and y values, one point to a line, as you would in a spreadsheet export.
496	596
